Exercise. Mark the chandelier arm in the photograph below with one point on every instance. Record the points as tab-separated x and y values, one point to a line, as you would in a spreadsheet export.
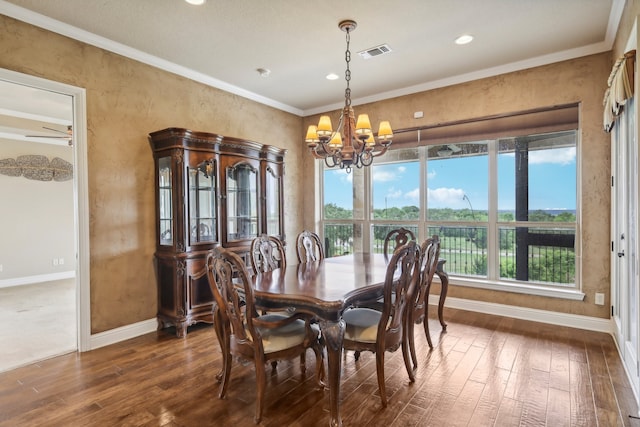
381	152
317	156
366	158
326	162
326	150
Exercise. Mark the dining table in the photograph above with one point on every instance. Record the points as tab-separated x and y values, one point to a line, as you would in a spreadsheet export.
325	289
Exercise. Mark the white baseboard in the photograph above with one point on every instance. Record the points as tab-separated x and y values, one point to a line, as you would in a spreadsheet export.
28	280
535	315
122	333
563	319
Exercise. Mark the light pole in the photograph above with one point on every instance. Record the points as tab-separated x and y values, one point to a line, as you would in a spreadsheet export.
473	231
473	215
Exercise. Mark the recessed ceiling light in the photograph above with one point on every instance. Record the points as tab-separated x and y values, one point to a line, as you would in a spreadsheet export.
332	76
196	2
464	39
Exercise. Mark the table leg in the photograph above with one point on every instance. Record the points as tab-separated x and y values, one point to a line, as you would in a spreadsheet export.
333	334
444	280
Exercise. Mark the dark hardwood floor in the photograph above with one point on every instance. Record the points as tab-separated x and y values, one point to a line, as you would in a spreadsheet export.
484	371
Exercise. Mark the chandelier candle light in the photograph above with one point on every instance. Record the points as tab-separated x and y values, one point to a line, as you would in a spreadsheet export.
352	143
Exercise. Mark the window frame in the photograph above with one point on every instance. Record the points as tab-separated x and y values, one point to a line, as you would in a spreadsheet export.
492	281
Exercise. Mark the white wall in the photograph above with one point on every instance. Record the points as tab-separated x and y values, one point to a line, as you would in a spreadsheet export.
36	220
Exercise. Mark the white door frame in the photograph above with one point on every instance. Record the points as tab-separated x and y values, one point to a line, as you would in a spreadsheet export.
625	236
81	193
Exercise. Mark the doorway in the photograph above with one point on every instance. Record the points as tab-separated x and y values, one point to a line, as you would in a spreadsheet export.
625	234
624	304
43	123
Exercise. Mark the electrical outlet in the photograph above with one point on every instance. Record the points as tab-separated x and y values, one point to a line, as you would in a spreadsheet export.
599	298
61	261
55	262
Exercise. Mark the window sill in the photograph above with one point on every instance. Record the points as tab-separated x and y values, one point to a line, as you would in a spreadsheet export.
569	294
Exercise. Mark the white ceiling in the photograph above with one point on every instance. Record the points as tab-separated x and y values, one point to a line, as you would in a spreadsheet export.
224	42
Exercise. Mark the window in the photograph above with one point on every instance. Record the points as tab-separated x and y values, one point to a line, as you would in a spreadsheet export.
396	198
504	208
338	211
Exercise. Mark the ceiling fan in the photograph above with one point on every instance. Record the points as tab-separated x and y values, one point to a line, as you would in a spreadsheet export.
448	150
68	135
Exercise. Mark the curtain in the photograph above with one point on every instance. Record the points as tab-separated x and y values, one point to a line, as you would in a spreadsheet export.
619	88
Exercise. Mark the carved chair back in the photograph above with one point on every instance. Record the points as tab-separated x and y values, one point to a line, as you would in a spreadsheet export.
267	253
309	247
396	238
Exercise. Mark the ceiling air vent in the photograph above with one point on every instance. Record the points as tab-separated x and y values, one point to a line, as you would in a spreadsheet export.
375	51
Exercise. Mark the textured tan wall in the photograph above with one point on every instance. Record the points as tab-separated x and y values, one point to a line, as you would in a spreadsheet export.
582	80
629	17
125	101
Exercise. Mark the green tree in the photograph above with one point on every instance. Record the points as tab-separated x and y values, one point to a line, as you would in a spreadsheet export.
332	211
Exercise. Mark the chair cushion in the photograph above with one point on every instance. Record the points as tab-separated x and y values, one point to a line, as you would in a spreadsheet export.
276	339
361	324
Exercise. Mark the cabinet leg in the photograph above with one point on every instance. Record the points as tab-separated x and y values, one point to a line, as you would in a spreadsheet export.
181	329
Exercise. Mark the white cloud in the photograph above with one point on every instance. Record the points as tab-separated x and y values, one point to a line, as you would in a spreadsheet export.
392	193
342	175
449	197
387	175
431	174
563	156
384	176
413	195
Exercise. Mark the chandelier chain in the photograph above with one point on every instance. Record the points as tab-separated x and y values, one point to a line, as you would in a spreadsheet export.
347	72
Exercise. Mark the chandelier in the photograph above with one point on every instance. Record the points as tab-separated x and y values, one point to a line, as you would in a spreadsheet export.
352	143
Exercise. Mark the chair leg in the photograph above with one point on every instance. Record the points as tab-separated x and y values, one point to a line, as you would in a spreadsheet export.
261	383
405	355
227	360
317	349
356	355
303	362
380	374
425	322
219	330
411	343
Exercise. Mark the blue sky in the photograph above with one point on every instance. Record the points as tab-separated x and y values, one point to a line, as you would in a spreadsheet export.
552	183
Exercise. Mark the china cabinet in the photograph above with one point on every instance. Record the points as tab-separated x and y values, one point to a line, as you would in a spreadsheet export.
210	190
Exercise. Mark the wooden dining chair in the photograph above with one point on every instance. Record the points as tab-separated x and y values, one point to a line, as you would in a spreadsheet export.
267	253
379	331
396	238
246	335
429	254
309	247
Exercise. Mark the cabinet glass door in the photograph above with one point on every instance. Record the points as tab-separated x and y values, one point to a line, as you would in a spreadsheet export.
165	205
242	202
202	203
272	202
